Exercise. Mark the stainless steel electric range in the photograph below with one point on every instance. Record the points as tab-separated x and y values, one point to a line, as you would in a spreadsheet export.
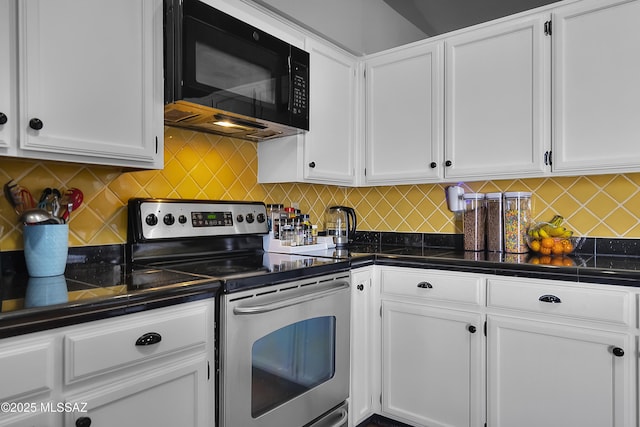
282	328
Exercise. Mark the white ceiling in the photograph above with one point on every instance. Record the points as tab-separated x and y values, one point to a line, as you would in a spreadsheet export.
368	26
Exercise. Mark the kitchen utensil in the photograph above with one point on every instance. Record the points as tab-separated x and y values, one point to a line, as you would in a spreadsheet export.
71	201
8	193
19	197
341	224
44	198
38	216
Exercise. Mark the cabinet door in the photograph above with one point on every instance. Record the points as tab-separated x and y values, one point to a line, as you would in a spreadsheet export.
541	374
364	342
596	87
174	395
404	128
432	365
8	83
497	100
88	87
329	147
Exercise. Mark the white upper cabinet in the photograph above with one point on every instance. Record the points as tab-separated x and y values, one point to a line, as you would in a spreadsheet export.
8	108
596	74
404	132
329	150
90	91
497	100
326	154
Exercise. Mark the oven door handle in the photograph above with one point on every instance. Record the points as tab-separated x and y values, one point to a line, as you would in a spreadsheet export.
289	299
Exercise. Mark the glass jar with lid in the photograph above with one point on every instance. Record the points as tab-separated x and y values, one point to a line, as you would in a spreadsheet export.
517	217
495	231
474	219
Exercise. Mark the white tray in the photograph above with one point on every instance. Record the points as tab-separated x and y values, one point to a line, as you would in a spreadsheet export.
275	245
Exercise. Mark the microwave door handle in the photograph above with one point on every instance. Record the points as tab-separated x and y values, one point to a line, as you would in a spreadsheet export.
290	299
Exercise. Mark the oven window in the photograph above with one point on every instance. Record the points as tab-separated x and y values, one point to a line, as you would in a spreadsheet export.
290	361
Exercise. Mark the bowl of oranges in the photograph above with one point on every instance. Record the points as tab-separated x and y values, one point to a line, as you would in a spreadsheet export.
552	238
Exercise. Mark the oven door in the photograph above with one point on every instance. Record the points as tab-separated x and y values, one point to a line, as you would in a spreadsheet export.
285	353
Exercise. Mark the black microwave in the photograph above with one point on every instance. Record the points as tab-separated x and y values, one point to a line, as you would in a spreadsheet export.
225	76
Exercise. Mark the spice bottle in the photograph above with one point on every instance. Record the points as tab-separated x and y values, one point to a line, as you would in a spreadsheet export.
495	229
517	216
275	211
474	219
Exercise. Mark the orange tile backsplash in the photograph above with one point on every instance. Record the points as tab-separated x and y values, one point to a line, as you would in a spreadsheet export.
204	166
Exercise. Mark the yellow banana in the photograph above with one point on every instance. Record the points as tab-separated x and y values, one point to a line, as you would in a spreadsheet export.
543	233
557	232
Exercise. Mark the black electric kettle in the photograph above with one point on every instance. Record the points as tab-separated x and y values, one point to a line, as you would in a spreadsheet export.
341	224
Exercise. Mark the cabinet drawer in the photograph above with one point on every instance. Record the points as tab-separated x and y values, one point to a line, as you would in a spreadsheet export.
560	298
433	285
112	344
26	368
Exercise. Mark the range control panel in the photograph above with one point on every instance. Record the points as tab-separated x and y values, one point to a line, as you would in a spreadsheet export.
174	218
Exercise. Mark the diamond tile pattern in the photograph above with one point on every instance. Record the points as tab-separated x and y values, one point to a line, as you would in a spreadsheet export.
203	166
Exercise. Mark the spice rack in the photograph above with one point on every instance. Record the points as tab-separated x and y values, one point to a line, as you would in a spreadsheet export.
275	245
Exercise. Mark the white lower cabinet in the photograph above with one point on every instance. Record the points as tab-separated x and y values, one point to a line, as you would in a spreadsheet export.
553	375
151	368
27	372
432	348
465	349
169	395
365	364
559	354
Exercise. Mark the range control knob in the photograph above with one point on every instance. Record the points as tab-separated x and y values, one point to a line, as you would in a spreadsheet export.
151	220
239	218
250	218
182	219
169	219
261	218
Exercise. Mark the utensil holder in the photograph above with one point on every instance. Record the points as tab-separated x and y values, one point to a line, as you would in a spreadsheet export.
46	247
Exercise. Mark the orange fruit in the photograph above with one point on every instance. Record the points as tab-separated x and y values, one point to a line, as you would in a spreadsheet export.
547	242
535	245
545	251
558	248
567	246
545	259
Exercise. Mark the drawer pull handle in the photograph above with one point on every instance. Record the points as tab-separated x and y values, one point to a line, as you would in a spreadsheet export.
149	338
617	351
550	299
471	329
83	422
425	285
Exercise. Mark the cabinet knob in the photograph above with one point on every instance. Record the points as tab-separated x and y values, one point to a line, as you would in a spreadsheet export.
36	124
471	329
83	422
433	165
617	351
312	164
448	163
360	287
425	285
3	118
550	299
149	338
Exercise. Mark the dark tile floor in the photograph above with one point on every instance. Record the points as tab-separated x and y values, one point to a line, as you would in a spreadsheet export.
380	421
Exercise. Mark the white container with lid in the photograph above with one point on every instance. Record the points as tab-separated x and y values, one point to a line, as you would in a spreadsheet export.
495	226
474	220
517	218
